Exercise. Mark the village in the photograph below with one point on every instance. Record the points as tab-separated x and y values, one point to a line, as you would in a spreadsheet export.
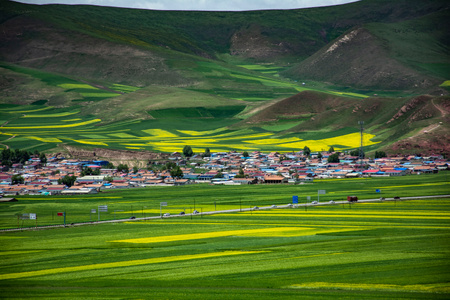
226	168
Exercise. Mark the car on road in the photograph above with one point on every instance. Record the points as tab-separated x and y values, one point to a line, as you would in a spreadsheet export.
273	206
167	215
255	208
132	217
182	213
332	202
315	202
195	212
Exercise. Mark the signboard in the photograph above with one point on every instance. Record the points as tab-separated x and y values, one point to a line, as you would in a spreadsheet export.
320	192
163	203
294	199
32	216
93	211
308	198
25	216
378	191
60	214
103	208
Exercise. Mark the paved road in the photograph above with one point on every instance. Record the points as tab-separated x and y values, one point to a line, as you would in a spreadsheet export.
229	211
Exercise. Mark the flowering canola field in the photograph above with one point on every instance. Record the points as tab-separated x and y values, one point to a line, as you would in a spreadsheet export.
46	127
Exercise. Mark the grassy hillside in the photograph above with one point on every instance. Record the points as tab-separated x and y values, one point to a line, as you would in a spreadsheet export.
385	56
216	79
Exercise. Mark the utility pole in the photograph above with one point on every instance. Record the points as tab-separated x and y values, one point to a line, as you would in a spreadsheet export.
361	153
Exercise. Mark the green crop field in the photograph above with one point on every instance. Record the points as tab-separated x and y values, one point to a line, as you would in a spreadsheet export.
379	250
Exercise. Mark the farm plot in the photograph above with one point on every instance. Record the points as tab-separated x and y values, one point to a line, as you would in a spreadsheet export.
369	251
44	127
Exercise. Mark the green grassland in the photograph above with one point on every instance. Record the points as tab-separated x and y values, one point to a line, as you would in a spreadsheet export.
179	71
43	126
209	198
389	250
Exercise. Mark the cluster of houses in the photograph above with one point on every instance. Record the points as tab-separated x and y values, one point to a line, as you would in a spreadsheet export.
229	168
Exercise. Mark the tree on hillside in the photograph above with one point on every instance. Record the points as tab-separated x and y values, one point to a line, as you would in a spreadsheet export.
108	178
176	172
17	179
245	154
207	153
135	169
187	151
380	154
357	152
67	180
43	158
170	165
333	158
110	165
306	151
319	156
89	171
219	175
123	168
331	150
9	157
241	174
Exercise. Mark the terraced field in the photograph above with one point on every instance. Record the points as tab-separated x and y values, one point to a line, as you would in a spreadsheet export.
44	127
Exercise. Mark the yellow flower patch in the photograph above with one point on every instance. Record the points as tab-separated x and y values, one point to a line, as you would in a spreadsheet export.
273	141
372	286
200	133
55	115
70	86
160	133
90	142
28	111
119	264
204	235
56	126
122	135
347	141
45	140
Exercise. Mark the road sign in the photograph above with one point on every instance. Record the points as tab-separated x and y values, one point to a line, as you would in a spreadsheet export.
32	216
163	203
103	208
60	214
294	199
93	211
320	192
378	190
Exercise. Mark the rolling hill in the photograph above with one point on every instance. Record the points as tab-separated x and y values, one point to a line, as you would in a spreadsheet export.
304	73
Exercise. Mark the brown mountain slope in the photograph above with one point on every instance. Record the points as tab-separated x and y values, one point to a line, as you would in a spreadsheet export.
302	105
360	59
33	43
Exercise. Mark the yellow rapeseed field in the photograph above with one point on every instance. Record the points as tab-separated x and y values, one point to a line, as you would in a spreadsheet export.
119	264
55	126
372	286
160	133
205	235
70	86
45	140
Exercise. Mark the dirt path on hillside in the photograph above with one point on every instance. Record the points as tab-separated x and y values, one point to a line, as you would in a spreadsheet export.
431	127
6	146
443	111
